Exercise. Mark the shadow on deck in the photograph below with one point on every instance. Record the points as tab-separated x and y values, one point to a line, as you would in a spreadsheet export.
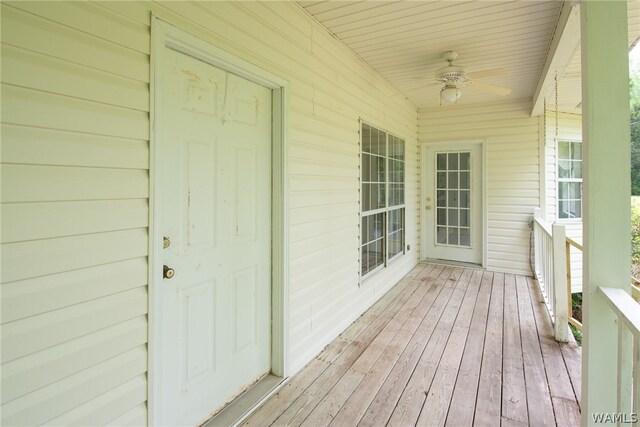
446	346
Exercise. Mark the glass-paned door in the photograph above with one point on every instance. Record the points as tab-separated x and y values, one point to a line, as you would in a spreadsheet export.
452	202
453	195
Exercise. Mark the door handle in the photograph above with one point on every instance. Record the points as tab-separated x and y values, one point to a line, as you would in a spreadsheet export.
167	272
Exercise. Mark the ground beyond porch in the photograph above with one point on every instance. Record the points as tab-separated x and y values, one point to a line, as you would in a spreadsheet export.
446	346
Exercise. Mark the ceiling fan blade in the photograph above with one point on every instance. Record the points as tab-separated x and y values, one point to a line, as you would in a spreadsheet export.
494	72
489	88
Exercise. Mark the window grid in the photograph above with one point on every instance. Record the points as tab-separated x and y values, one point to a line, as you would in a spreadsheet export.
569	192
453	199
382	227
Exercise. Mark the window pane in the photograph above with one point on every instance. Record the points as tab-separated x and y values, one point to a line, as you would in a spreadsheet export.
465	199
576	169
563	190
396	148
442	198
563	209
465	237
464	180
441	161
576	209
464	217
453	235
465	161
564	150
366	138
577	151
365	197
453	198
574	191
442	235
365	173
453	180
453	161
442	217
453	217
564	168
442	180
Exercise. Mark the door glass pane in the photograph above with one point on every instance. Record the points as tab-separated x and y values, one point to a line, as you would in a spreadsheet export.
442	217
465	180
464	218
453	236
453	161
465	161
453	217
465	197
453	180
465	237
453	199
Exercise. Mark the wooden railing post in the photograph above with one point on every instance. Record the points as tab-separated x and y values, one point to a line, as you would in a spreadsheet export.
569	294
561	298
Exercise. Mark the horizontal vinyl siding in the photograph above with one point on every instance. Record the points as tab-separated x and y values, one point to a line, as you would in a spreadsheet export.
75	192
511	170
75	189
569	128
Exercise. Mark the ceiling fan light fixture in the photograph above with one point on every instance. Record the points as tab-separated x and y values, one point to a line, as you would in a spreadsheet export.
450	93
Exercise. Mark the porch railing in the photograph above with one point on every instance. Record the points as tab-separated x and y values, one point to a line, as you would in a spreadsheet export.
628	313
550	269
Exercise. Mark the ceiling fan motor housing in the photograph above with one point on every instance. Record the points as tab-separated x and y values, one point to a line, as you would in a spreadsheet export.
451	72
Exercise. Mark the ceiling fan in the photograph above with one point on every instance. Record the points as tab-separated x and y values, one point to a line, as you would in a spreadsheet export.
456	77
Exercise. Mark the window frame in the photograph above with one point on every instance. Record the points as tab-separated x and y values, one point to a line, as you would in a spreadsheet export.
560	180
384	211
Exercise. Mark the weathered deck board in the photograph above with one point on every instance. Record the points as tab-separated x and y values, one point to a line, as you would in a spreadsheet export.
447	345
386	398
514	395
538	398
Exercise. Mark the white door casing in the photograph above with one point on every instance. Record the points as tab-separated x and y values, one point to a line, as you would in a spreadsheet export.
211	323
452	202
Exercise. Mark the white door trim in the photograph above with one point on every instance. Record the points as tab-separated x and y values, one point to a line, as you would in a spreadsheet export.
164	35
452	145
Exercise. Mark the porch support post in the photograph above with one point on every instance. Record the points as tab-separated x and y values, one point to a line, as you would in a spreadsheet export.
606	203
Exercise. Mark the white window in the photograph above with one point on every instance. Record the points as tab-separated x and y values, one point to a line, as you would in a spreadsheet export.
569	180
382	205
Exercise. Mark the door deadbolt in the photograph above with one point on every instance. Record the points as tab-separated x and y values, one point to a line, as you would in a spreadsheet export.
428	207
167	272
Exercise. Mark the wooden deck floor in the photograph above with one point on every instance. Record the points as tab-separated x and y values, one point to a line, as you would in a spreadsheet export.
446	346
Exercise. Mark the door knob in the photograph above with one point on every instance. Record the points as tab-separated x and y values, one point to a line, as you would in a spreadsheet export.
167	273
428	207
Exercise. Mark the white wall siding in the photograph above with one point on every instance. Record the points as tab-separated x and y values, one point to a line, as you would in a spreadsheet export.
569	128
512	170
75	192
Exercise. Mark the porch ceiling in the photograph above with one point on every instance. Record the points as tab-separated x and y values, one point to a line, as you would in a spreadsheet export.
404	42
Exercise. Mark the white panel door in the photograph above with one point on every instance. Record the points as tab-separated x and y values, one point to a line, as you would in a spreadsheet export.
213	152
453	202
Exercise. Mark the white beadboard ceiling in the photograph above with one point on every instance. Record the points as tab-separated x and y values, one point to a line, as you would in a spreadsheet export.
404	41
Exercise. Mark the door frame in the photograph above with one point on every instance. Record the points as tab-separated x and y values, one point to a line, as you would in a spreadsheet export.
164	34
452	145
